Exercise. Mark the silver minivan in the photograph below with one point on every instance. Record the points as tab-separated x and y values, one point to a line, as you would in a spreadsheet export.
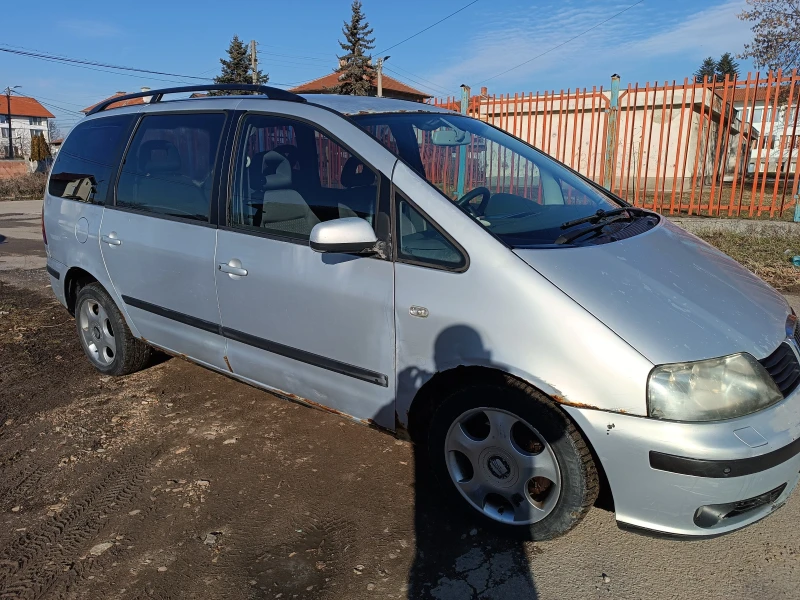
433	276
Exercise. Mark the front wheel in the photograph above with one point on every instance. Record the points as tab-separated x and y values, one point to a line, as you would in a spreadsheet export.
505	453
104	335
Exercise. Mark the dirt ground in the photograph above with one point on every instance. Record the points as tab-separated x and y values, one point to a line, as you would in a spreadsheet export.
181	483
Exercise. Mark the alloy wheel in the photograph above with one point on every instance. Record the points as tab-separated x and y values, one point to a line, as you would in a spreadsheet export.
97	333
502	466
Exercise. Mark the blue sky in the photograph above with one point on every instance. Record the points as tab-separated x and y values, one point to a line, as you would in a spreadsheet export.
654	41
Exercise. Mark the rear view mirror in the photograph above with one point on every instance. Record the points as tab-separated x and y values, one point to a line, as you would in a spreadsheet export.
345	236
450	137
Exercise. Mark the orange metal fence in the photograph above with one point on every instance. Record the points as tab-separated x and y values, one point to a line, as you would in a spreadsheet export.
721	147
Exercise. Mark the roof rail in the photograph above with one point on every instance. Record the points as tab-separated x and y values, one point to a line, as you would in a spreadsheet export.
270	92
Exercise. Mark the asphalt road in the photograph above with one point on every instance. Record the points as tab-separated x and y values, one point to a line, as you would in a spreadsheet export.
180	483
21	235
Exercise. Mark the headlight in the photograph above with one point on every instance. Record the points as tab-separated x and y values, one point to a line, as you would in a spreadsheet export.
710	390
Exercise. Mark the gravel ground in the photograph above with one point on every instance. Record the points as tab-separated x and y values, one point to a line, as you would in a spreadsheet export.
177	482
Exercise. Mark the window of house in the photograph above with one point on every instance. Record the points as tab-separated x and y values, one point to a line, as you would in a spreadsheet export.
289	176
36	121
420	242
89	158
4	132
169	167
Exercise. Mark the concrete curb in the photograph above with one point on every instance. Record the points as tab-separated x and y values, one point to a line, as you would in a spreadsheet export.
752	226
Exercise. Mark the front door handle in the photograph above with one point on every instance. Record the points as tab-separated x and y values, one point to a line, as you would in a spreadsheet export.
233	268
111	239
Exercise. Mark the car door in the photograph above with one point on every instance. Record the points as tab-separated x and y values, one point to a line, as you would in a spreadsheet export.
158	239
318	326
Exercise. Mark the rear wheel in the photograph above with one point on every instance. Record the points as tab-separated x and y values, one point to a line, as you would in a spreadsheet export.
505	453
104	335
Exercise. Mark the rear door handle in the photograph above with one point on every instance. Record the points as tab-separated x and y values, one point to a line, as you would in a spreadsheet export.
111	239
233	268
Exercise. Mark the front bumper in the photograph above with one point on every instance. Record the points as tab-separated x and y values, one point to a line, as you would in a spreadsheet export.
696	479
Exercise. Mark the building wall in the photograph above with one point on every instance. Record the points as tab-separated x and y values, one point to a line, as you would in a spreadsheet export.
663	134
21	131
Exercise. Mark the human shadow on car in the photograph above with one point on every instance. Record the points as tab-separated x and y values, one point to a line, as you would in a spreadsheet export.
455	557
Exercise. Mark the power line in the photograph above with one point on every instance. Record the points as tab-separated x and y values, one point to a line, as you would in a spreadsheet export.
295	56
562	43
402	77
84	64
428	27
433	85
53	57
61	108
140	77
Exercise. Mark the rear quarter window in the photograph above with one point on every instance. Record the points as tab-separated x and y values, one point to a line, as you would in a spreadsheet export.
88	161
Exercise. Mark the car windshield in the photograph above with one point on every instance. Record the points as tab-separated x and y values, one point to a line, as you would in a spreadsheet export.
519	194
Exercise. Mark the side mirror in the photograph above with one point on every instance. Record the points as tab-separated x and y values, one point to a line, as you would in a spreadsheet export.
345	236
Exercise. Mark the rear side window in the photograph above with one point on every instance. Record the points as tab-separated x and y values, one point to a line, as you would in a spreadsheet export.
169	167
89	158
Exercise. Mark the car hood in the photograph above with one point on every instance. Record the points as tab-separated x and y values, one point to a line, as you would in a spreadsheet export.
670	295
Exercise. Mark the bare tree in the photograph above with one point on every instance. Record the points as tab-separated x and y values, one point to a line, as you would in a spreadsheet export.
53	131
776	33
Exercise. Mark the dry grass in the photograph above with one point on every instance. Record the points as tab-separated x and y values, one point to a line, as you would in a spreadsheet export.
767	255
23	187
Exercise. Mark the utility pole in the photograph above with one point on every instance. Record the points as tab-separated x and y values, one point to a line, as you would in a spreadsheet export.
611	135
8	106
379	70
462	150
254	61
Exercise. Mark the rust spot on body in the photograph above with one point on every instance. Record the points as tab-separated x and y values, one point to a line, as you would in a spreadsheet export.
227	362
563	400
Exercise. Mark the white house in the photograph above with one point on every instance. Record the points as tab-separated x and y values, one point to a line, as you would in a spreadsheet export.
777	125
28	117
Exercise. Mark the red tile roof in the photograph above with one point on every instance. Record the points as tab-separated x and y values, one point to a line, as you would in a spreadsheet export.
24	107
323	85
131	102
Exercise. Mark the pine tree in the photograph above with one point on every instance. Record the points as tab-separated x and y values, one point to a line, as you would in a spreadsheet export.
45	147
237	69
40	150
36	148
707	70
356	72
727	66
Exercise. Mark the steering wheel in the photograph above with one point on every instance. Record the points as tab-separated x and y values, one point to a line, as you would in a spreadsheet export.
464	201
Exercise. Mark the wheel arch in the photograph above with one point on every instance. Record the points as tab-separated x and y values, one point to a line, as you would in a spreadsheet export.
74	280
444	383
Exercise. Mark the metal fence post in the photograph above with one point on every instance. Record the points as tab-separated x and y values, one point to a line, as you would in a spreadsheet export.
611	135
462	150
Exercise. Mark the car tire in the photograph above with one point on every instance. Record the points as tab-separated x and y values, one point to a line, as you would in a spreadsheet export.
525	434
104	335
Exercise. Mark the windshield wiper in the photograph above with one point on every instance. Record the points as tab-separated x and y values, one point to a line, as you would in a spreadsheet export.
566	239
602	214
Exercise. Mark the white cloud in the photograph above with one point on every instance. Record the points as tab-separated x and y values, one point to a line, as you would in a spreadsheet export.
646	34
708	32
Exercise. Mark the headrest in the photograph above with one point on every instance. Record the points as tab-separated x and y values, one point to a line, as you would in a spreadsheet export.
277	171
290	152
159	156
356	174
255	170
